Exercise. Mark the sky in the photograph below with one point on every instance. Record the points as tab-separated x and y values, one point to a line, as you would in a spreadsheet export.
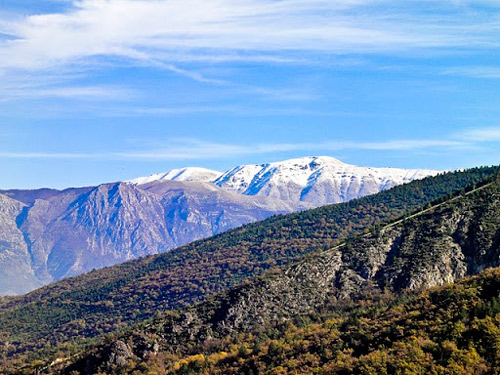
95	91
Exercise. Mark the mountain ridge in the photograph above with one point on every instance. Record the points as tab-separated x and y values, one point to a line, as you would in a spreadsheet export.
76	230
405	254
196	271
436	246
318	180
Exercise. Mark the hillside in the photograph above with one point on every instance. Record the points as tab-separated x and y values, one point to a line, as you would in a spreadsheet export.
440	245
437	246
448	330
73	231
109	299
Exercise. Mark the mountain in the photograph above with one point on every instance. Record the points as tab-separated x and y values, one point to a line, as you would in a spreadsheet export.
28	197
318	180
61	234
439	245
182	174
14	252
63	315
65	233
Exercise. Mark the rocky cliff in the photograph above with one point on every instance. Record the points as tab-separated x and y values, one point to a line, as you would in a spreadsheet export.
59	234
437	246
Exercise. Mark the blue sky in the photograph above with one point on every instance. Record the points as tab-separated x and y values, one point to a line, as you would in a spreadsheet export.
103	90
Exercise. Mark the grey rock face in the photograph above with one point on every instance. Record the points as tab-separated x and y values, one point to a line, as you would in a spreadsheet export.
119	354
16	274
56	235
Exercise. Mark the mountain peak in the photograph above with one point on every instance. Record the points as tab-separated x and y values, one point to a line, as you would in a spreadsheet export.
308	160
181	174
318	180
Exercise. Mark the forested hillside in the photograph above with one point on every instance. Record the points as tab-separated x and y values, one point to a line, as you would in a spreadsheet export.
436	246
103	301
453	329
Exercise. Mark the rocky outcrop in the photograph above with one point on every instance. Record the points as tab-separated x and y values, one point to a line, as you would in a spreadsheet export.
119	353
432	248
115	355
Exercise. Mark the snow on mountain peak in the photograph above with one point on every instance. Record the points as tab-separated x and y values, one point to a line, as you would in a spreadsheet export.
182	174
318	180
311	161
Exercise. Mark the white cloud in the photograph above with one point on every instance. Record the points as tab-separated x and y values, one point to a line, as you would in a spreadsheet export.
193	149
491	134
171	35
80	92
146	31
475	71
49	155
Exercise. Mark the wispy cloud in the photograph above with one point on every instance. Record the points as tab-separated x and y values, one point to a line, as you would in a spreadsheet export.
193	149
157	30
475	71
50	155
78	92
490	134
181	35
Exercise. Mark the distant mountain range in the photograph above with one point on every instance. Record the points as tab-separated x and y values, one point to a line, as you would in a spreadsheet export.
318	180
46	234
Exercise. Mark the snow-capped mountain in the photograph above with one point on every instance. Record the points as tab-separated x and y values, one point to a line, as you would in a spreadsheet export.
318	180
48	234
182	174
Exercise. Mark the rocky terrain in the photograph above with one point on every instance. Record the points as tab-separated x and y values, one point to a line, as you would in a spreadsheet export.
61	234
451	329
438	245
